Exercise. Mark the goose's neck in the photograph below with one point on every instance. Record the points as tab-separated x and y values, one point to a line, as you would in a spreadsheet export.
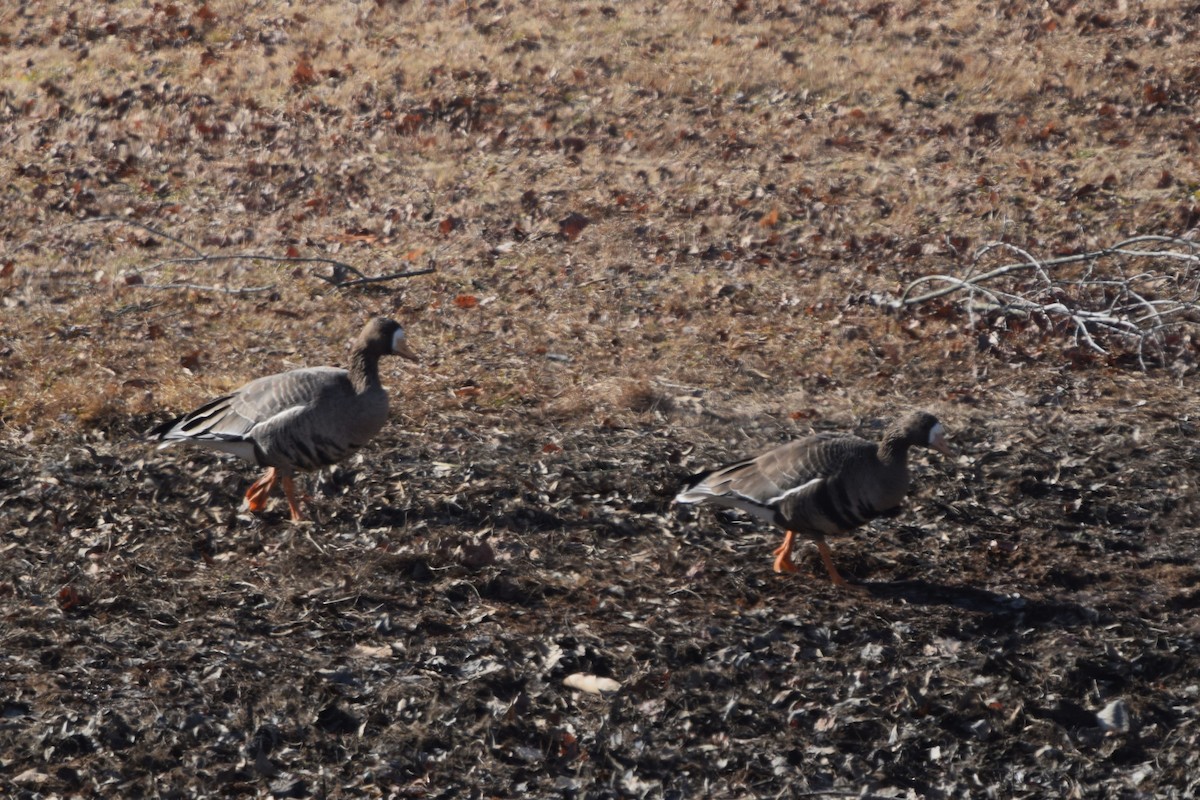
893	450
364	371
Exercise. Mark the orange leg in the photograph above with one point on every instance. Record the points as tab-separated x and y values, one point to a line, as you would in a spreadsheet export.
783	554
289	489
256	495
834	575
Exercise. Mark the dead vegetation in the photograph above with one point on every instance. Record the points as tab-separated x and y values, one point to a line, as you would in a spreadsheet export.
663	235
1138	297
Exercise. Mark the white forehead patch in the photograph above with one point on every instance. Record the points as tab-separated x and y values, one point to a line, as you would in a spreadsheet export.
397	339
936	432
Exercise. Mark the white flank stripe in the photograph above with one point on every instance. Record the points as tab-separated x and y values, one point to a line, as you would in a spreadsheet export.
793	490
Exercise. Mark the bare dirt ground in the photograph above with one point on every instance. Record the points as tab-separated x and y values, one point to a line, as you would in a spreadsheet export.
662	235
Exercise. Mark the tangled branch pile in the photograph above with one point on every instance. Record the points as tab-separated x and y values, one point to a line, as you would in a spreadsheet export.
1138	298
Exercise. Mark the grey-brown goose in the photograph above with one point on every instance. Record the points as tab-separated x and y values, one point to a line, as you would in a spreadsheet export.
303	419
821	485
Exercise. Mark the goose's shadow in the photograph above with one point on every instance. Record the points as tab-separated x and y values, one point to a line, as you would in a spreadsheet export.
1036	612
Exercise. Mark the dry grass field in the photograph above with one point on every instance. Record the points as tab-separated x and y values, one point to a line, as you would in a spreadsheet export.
652	236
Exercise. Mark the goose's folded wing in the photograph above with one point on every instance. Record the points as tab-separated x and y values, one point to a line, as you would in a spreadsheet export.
230	422
779	472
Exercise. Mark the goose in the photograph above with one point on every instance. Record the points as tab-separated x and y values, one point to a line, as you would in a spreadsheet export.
821	485
303	419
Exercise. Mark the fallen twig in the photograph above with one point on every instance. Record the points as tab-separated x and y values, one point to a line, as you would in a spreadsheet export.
378	278
199	288
338	279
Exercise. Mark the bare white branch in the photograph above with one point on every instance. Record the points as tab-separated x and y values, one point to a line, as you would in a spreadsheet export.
1129	297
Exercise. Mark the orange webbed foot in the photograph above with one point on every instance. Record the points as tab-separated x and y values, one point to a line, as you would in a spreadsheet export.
256	495
783	554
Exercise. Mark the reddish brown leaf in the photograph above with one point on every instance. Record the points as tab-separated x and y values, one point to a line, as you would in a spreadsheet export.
304	74
466	301
572	225
409	123
447	225
1047	131
69	598
468	391
770	219
292	252
551	447
1154	94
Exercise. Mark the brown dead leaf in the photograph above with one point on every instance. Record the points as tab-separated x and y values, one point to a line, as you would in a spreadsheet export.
466	301
409	124
70	599
478	556
304	74
770	219
1154	94
572	225
447	225
190	361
